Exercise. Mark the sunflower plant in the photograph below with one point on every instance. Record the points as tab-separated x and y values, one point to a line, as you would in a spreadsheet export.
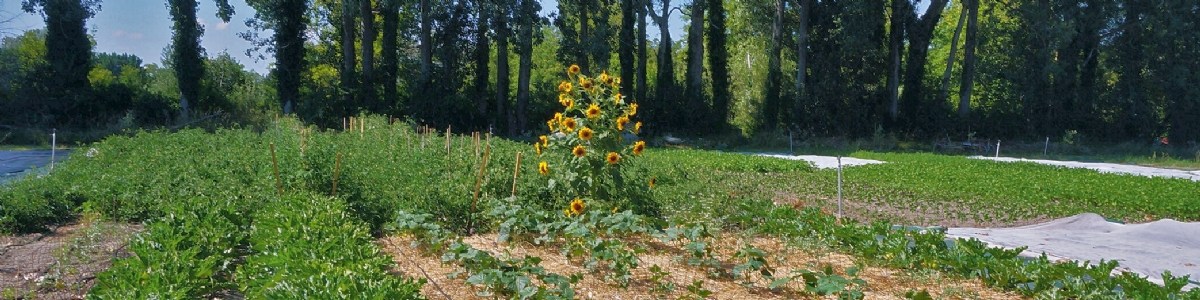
588	152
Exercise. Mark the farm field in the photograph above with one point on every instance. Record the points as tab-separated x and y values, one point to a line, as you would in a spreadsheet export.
388	210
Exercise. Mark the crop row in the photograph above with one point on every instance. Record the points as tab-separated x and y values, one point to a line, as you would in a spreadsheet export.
887	245
1027	190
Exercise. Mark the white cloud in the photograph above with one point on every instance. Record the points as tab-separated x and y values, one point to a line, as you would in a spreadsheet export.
222	25
122	34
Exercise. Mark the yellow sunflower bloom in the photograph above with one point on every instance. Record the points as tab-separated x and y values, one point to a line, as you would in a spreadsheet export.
562	98
569	124
558	117
579	151
616	82
593	111
585	83
573	69
550	124
612	158
652	182
621	121
544	168
568	103
637	127
564	87
617	99
544	140
577	207
586	134
604	78
633	109
639	147
537	148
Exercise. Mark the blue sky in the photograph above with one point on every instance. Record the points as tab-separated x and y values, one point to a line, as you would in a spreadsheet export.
143	28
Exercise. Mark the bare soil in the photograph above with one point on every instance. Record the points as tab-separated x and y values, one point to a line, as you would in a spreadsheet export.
882	283
61	263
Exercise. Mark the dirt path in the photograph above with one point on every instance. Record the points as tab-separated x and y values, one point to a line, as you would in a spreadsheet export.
62	263
882	283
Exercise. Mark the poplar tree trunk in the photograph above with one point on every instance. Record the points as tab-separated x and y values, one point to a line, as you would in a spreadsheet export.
801	59
920	34
968	75
665	79
349	57
773	103
502	71
718	62
626	46
368	56
642	52
426	40
525	50
895	44
391	58
950	60
695	61
483	52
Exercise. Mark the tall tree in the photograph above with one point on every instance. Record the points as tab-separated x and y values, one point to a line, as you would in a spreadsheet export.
186	53
599	43
665	79
367	16
584	8
390	10
70	51
718	60
920	34
288	19
971	11
626	45
349	65
527	22
950	64
574	24
501	17
1180	45
642	45
1132	89
426	41
483	52
694	82
895	51
801	57
773	103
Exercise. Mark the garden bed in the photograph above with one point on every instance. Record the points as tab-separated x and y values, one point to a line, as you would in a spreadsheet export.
675	275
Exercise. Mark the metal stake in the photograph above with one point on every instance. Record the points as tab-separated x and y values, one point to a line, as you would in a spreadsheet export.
53	146
839	183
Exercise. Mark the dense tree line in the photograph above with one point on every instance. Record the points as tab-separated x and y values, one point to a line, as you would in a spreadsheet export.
1107	70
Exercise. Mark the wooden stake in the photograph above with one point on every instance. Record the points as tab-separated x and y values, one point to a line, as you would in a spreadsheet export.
275	163
447	141
337	170
516	171
303	135
478	184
